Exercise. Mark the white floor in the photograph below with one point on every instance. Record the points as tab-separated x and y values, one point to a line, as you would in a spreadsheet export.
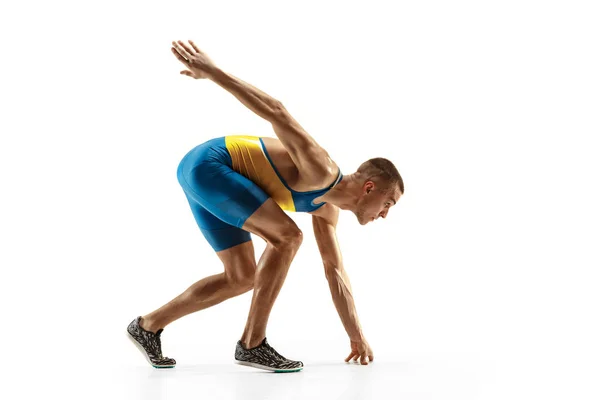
416	378
406	376
447	376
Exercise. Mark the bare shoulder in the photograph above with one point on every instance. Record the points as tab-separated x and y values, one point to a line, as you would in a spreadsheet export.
317	167
315	158
328	213
313	170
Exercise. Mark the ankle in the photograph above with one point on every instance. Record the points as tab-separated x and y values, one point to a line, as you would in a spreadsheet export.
149	325
251	342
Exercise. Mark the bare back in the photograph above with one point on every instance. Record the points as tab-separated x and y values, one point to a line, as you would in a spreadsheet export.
310	178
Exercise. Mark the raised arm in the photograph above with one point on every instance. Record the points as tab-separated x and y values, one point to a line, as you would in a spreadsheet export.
303	149
339	283
293	137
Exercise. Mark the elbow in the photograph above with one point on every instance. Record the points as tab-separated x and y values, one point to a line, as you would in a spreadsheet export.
278	106
332	269
279	113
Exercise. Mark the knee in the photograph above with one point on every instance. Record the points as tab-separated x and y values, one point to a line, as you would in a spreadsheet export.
246	282
243	280
290	238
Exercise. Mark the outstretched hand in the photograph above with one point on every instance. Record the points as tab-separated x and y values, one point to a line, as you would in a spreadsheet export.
360	349
198	64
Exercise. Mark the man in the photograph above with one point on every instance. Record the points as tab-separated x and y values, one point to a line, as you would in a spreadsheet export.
237	185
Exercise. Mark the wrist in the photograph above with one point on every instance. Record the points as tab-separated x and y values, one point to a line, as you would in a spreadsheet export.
357	336
215	74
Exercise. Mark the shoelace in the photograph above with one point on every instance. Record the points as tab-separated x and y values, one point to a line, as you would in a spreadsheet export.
268	346
157	340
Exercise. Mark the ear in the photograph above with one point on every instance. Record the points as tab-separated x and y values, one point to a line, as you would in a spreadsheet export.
369	186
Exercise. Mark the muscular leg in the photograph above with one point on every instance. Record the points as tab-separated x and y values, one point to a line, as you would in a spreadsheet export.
283	240
240	266
241	274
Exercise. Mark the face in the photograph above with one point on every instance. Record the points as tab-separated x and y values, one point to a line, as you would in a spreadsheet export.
374	203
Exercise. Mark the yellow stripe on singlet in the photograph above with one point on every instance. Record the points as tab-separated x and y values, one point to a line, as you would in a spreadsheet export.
249	159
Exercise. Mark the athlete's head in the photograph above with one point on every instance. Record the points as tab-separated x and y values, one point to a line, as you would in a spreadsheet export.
381	188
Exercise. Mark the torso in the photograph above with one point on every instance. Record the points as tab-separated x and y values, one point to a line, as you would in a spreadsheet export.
288	170
267	163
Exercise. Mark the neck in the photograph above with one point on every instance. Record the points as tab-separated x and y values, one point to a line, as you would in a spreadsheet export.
346	193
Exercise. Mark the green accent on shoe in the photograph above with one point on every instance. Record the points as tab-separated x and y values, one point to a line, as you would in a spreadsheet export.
283	371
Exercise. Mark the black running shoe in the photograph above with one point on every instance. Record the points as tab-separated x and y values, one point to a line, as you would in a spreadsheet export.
265	357
149	344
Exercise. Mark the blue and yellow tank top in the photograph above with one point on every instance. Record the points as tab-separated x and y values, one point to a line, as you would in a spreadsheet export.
250	158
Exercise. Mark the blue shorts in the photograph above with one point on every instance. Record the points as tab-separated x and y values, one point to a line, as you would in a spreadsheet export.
221	199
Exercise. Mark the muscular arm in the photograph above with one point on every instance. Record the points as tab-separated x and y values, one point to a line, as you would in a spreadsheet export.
307	155
256	100
310	159
339	283
341	292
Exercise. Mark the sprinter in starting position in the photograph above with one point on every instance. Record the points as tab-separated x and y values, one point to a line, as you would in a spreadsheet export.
239	184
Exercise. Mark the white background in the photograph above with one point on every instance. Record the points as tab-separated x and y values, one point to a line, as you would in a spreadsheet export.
485	271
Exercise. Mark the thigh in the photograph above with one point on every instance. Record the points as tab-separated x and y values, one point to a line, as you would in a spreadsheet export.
268	221
225	193
232	245
272	224
229	200
219	234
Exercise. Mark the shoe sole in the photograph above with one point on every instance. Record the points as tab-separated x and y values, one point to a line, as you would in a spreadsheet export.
260	366
141	349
